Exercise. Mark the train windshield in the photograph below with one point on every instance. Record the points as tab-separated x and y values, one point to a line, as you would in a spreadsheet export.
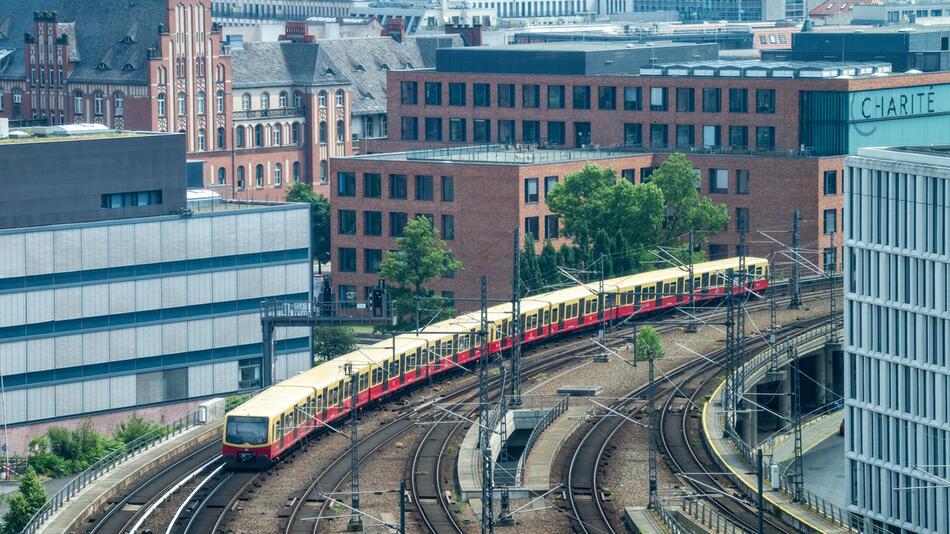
246	430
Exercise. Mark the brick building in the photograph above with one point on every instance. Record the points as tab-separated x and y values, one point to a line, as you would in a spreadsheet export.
477	195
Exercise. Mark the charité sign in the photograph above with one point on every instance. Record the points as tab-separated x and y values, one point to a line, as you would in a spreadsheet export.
897	103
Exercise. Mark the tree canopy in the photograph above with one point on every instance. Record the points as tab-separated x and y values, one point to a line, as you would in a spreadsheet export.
24	503
319	219
649	342
685	208
332	341
420	258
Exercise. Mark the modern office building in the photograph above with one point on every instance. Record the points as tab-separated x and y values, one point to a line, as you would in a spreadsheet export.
897	330
130	299
477	195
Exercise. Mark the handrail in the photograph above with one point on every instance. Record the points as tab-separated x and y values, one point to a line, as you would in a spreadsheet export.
707	517
547	420
106	464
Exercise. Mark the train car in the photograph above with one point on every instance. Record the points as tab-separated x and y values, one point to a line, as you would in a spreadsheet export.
264	428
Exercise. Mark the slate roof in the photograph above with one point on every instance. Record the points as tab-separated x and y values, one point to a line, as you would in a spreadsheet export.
106	33
270	64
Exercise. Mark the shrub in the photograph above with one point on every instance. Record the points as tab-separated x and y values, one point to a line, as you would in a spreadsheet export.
62	452
134	428
23	504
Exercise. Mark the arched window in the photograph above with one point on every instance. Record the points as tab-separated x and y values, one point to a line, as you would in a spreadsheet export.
298	99
259	176
322	99
162	76
323	171
181	103
340	132
239	142
278	174
258	135
323	132
296	171
246	102
282	99
97	104
77	102
222	176
265	101
161	104
339	97
219	73
118	101
295	133
219	101
202	139
221	139
278	138
240	177
201	102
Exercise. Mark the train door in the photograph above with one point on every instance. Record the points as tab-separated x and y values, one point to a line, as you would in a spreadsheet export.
342	389
421	361
580	311
560	316
704	284
403	360
505	332
454	348
546	319
324	401
659	293
680	297
385	366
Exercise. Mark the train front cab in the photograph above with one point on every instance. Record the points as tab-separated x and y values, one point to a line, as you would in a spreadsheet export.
247	442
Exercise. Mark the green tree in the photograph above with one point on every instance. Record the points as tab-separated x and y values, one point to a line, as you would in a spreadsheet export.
319	220
134	428
62	452
686	208
420	258
547	264
602	252
566	257
332	341
649	341
530	269
23	504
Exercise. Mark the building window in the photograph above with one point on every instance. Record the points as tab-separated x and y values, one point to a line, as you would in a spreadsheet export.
481	95
685	135
295	133
397	223
632	98
645	173
246	102
433	127
658	99
341	132
202	139
830	259
372	223
718	252
132	199
346	186
456	94
259	176
551	227
506	131
298	99
97	104
506	95
738	100
765	100
258	135
764	138
18	96
324	171
448	189
712	136
531	228
685	99
398	189
265	101
296	170
240	177
239	141
118	101
531	190
409	128
712	100
606	97
831	183
549	183
424	188
322	99
581	134
659	136
77	102
556	132
278	174
718	181
448	227
830	221
632	134
433	91
278	134
742	181
481	131
219	101
739	137
742	219
531	96
181	104
339	97
322	133
282	100
581	97
200	102
531	132
372	185
457	130
346	222
372	258
222	176
347	260
555	97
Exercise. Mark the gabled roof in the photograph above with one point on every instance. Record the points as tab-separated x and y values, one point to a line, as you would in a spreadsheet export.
111	37
270	64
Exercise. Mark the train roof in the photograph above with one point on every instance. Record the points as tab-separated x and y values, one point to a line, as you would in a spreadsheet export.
273	400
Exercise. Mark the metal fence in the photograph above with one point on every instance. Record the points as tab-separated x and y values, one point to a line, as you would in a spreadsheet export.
106	464
542	425
714	521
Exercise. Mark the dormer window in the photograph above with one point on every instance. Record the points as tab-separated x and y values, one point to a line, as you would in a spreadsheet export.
128	67
359	68
328	72
102	66
408	65
128	39
384	67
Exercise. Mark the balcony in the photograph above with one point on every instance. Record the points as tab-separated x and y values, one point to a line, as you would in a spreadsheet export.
276	113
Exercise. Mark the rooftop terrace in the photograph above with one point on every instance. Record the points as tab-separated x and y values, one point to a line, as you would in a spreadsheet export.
498	155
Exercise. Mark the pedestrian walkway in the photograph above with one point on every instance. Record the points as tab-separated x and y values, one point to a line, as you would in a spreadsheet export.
814	433
95	494
537	467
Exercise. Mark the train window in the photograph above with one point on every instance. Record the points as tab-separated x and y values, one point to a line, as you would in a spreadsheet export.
288	423
347	390
704	284
364	381
410	361
334	397
547	318
393	368
278	429
319	403
377	376
447	348
554	313
465	342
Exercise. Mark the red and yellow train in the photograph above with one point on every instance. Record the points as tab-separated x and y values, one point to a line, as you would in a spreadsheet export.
259	431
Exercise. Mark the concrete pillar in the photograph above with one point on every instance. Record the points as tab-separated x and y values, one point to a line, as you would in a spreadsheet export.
785	401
